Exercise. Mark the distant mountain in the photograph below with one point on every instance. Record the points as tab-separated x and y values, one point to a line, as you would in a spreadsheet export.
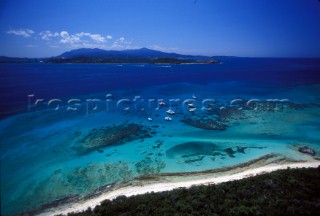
143	55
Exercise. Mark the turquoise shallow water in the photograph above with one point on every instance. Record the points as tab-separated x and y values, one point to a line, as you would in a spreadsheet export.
49	154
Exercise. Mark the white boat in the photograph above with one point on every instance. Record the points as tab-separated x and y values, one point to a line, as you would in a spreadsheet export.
192	110
149	119
170	111
190	105
167	118
161	103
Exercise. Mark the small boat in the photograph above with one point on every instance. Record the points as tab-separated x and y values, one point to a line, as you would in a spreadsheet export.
192	110
149	119
170	111
167	118
190	105
193	96
161	103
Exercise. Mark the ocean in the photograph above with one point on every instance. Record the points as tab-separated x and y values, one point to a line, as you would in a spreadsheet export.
68	130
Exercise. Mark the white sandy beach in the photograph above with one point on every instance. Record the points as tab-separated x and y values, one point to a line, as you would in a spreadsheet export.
166	186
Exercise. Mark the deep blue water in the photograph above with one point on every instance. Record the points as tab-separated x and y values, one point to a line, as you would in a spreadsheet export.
65	80
40	159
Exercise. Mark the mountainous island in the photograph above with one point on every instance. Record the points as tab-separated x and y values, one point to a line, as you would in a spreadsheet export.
143	55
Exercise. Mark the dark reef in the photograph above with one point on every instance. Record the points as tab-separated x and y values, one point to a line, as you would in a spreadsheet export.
307	150
109	136
207	124
190	152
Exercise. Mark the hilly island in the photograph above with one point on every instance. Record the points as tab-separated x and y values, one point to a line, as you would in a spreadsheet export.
143	55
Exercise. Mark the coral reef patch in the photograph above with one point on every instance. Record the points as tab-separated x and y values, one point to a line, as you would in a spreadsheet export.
149	166
64	184
214	119
110	136
190	152
307	150
203	123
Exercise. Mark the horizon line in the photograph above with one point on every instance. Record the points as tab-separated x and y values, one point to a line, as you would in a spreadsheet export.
203	55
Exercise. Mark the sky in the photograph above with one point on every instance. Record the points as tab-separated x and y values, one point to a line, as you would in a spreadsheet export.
247	28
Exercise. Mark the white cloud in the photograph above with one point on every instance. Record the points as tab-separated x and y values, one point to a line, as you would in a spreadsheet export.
64	34
21	32
47	35
95	37
91	45
82	38
121	43
69	39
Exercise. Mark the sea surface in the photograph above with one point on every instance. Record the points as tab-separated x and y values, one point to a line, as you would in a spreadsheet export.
69	129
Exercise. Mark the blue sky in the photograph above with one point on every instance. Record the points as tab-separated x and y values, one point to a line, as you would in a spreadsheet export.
257	28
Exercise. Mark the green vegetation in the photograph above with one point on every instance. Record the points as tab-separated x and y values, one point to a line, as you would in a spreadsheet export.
283	192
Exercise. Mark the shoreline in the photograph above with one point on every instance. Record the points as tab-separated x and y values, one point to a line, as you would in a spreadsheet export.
170	183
